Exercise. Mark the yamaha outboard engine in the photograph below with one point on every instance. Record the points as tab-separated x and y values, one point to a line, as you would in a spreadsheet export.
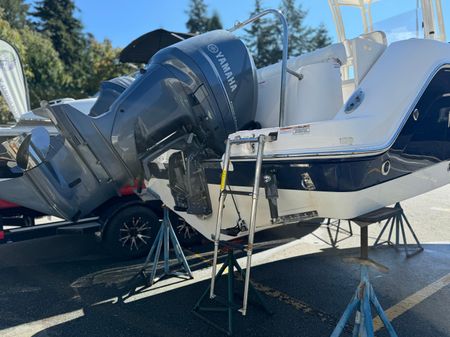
205	87
188	98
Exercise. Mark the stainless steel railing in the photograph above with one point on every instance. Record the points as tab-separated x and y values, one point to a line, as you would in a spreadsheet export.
284	59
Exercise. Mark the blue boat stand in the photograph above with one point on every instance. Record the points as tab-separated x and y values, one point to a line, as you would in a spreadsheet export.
165	235
364	298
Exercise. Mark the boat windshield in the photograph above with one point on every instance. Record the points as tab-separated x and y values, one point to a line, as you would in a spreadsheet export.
399	19
401	25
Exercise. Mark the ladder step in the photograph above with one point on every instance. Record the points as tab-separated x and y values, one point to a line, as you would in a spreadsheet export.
246	193
244	140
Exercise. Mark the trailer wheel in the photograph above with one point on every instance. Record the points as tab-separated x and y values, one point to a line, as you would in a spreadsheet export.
28	221
131	231
187	235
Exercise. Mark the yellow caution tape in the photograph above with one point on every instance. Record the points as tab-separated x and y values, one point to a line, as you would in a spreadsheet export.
223	179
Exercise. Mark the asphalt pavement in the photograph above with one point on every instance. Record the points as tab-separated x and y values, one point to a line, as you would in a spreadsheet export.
69	286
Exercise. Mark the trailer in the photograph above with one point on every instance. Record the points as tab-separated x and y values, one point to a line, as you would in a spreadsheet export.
126	225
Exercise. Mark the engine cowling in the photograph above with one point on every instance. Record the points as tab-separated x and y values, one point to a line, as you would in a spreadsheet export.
205	86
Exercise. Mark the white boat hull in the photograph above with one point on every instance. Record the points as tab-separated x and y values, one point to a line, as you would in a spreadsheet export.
338	205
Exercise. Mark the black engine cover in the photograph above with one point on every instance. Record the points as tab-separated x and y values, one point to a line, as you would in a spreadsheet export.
205	86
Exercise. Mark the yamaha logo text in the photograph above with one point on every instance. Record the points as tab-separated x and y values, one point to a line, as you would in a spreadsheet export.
224	65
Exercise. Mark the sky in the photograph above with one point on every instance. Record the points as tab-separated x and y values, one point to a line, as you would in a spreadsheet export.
123	21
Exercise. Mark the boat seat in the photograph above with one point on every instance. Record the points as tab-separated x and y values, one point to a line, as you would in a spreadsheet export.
317	96
362	52
109	91
365	51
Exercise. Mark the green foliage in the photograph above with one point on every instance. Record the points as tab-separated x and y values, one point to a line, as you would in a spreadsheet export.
5	115
43	69
56	19
214	22
46	71
102	60
12	36
15	12
198	21
300	36
321	38
49	74
261	39
264	37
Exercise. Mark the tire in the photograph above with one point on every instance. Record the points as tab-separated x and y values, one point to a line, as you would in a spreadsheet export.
131	232
28	221
187	235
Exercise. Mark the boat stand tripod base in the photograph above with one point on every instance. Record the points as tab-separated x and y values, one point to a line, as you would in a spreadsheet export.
165	236
398	222
364	298
217	303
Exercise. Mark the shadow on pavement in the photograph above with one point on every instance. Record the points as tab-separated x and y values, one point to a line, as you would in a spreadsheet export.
307	293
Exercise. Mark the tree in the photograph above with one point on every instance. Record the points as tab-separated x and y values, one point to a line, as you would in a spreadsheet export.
43	69
47	73
10	34
321	38
15	12
300	36
5	115
55	18
261	39
198	21
264	37
47	76
102	60
13	37
214	22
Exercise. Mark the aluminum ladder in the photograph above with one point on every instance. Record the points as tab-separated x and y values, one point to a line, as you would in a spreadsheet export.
259	149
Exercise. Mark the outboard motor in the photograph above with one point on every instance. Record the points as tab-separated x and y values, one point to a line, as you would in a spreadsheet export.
109	91
188	98
204	87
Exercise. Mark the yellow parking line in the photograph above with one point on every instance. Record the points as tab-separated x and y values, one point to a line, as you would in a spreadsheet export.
411	301
392	313
200	256
440	209
34	328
